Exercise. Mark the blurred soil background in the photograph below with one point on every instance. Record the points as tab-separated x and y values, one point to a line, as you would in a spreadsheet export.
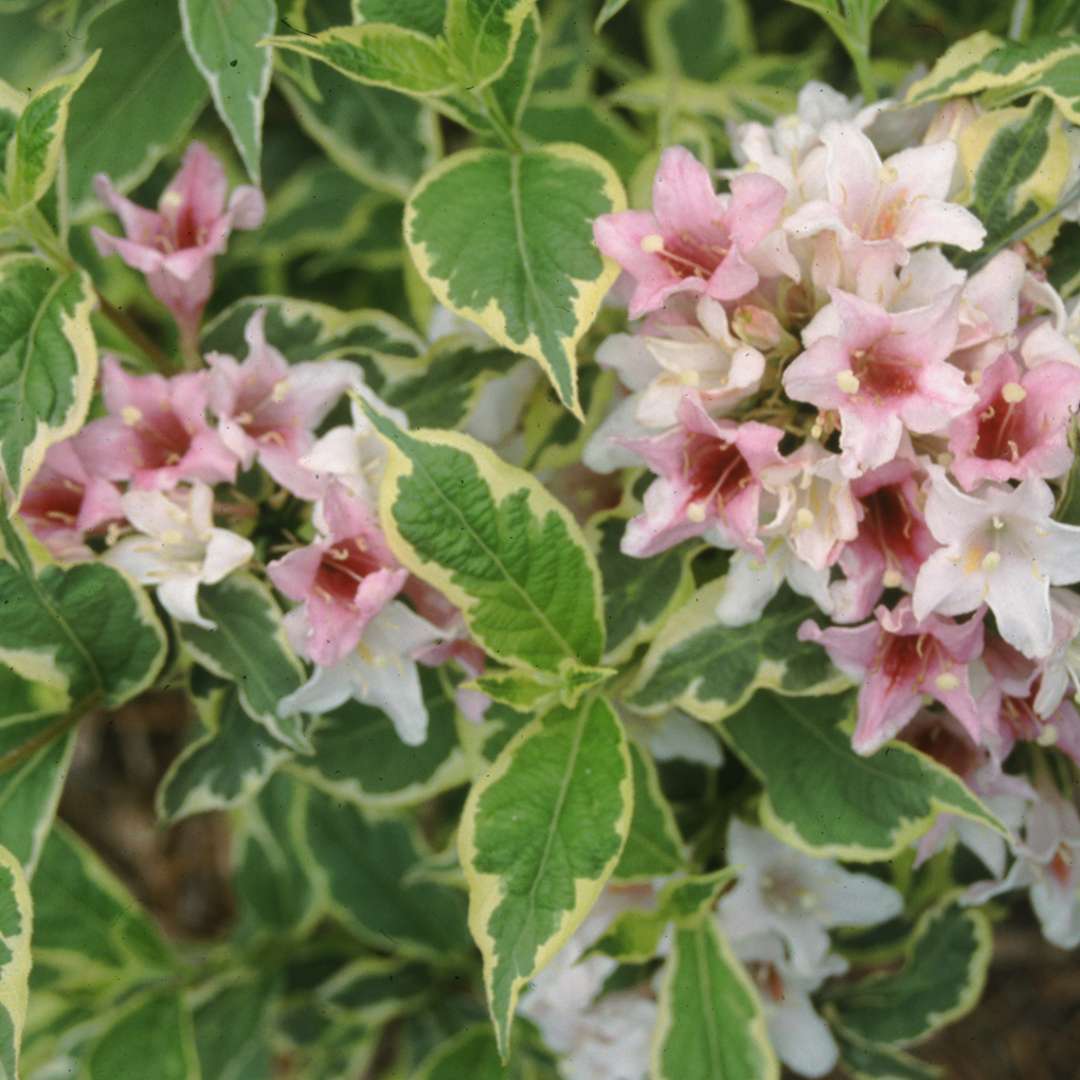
1027	1026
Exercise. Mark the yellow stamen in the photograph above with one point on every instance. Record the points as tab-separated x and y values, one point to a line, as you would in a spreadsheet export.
847	381
652	243
1013	393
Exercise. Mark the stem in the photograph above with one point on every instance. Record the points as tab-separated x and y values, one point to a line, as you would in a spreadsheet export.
495	116
1018	21
860	57
138	337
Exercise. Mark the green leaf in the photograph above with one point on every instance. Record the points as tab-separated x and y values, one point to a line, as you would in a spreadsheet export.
701	39
426	16
481	36
233	1027
15	924
365	863
866	1061
564	117
711	1022
455	372
379	54
358	755
88	930
274	869
639	594
511	90
35	751
541	833
942	979
1006	70
710	670
1018	160
39	138
382	138
249	647
85	630
608	11
531	277
653	847
373	990
154	1029
305	330
688	897
497	545
137	103
222	37
222	768
822	798
48	362
471	1053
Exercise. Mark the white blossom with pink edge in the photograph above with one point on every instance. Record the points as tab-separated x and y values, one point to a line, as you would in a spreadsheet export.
156	434
342	580
380	671
1000	549
783	891
268	409
175	245
177	548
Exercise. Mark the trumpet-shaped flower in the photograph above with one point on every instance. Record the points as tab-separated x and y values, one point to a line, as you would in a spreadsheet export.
176	245
380	671
753	580
883	373
156	434
268	410
343	580
693	239
897	659
709	480
1001	549
783	891
1019	426
64	502
177	548
900	203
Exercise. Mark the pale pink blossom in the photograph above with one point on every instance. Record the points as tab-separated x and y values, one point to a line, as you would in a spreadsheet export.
268	410
883	373
1019	426
64	502
709	479
342	580
897	659
156	434
175	245
693	239
1001	548
898	204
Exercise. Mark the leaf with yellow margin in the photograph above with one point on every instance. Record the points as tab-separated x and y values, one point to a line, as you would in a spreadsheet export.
15	924
505	240
541	833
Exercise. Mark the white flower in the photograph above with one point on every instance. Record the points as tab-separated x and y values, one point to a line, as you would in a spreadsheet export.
676	736
178	548
1001	549
796	896
801	1039
380	672
752	582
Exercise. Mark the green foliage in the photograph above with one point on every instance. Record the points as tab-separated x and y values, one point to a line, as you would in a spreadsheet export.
541	834
16	920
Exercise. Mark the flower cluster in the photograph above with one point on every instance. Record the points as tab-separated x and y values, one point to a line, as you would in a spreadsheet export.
144	486
819	386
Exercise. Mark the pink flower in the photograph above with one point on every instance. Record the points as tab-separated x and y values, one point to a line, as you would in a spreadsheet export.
1019	426
709	477
897	660
693	239
175	247
883	373
893	540
64	502
342	581
156	434
897	205
268	410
